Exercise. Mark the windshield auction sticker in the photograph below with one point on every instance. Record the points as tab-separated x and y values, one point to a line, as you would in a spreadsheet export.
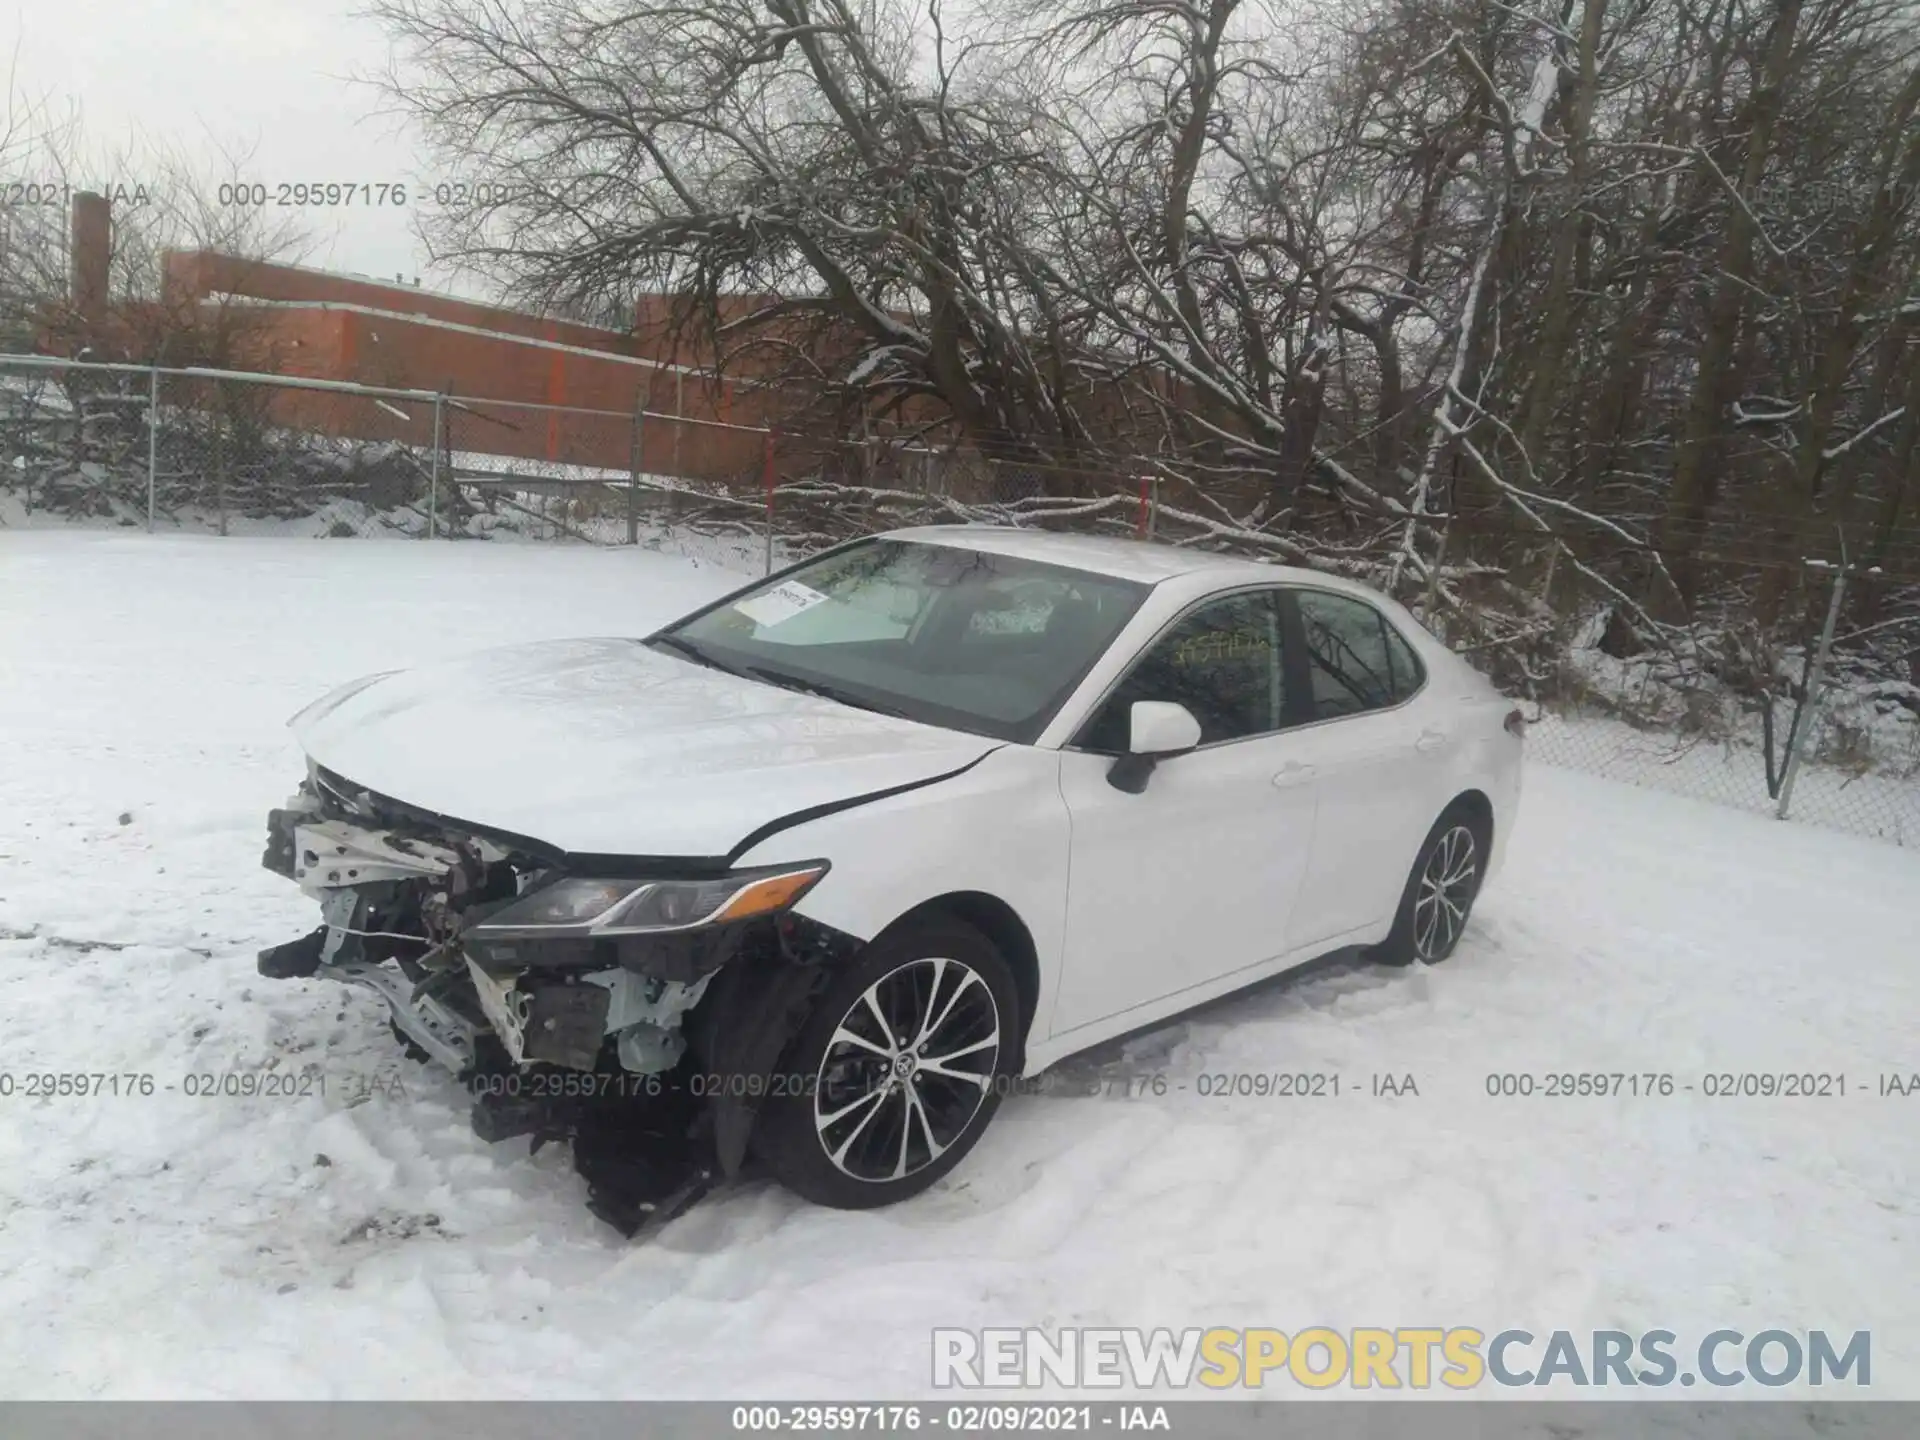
783	602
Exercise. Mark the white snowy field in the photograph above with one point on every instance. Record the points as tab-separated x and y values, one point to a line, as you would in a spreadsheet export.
363	1243
1883	806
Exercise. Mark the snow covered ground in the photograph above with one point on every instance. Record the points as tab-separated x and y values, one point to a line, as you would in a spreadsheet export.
363	1243
1882	806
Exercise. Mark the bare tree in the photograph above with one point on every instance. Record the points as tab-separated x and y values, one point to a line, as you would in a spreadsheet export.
1544	311
167	208
828	203
36	143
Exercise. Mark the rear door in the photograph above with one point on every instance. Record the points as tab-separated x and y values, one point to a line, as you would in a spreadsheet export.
1378	755
1193	878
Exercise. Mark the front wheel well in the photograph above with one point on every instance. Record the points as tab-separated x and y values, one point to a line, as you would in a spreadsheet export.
1479	812
1002	925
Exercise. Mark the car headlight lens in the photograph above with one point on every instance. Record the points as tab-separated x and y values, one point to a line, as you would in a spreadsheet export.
583	906
566	902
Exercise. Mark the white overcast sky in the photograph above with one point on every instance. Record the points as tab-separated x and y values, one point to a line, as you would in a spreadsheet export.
203	77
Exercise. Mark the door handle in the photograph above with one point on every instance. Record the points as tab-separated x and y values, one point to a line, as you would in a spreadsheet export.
1430	740
1293	774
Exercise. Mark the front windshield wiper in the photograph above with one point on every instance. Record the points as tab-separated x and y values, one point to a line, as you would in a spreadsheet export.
692	652
701	656
824	691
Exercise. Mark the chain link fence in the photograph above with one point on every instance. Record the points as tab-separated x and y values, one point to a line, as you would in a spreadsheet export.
214	451
1801	719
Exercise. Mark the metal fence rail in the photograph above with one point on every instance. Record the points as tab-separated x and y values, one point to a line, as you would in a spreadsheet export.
192	448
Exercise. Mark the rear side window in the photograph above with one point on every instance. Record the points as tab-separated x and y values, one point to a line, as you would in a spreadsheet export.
1357	661
1408	673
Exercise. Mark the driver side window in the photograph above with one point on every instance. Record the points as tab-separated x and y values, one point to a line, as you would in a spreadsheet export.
1222	662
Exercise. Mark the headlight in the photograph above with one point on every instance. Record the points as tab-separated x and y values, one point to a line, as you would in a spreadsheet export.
589	907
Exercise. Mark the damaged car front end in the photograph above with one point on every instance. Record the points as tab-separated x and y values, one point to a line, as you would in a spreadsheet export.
576	999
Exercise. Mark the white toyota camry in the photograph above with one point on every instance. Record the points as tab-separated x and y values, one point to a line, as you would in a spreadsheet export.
810	879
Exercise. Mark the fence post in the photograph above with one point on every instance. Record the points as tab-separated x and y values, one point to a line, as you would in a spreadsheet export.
1143	525
679	410
767	466
433	473
153	441
1804	723
639	449
221	442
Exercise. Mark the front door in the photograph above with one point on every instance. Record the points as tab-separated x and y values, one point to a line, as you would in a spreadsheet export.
1194	878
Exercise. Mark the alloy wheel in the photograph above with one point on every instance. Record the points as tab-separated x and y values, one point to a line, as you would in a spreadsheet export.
906	1069
1446	892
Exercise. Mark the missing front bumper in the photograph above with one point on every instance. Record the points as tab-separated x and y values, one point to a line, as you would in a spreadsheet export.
607	1043
558	1023
447	1036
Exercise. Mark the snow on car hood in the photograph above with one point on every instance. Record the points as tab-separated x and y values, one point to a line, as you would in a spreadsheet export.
608	746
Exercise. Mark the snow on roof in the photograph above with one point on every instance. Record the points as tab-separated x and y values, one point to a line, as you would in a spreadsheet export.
1142	560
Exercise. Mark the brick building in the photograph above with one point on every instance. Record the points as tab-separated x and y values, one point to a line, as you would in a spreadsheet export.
513	367
318	324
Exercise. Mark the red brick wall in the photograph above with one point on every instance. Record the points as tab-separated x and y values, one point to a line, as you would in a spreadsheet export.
341	327
319	323
191	274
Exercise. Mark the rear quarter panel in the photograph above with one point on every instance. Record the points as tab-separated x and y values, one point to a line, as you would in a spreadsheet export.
1499	761
1488	757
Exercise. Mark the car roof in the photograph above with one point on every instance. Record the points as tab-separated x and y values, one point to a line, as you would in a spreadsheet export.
1141	560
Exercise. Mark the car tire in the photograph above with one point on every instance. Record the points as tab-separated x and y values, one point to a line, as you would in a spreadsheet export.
857	1118
1440	892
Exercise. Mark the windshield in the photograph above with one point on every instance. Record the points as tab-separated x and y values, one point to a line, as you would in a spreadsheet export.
956	637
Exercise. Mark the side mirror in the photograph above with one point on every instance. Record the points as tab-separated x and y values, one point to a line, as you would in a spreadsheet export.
1157	729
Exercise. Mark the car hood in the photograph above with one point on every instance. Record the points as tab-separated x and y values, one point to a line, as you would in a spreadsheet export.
610	747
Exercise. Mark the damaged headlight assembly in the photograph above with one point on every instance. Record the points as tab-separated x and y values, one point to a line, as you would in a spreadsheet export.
637	954
660	926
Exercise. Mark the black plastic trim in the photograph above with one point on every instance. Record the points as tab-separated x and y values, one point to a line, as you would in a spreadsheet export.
1296	662
743	1025
832	807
